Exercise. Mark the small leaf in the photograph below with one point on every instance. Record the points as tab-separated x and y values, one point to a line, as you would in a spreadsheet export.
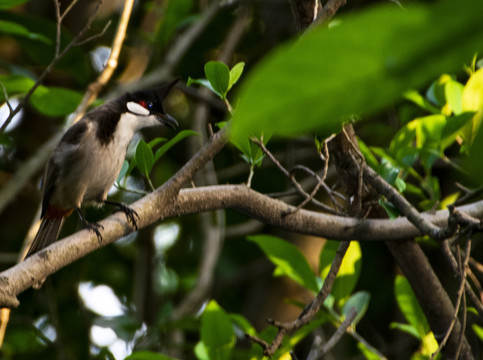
359	301
202	82
123	172
288	259
7	4
235	73
218	75
180	136
409	329
11	28
400	185
421	101
391	210
409	306
217	332
144	158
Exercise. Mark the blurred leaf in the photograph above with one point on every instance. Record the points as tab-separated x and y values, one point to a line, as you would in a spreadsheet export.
217	333
12	28
202	82
218	75
368	353
436	91
368	155
243	324
144	158
235	73
478	331
7	4
329	88
180	136
55	101
421	101
391	210
473	101
123	172
349	270
156	141
148	355
173	15
288	260
409	329
359	301
453	91
409	306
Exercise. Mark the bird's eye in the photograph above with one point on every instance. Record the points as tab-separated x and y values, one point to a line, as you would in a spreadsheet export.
149	104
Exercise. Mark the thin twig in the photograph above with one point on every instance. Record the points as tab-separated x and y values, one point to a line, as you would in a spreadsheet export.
284	171
50	67
310	310
462	272
341	330
112	62
319	183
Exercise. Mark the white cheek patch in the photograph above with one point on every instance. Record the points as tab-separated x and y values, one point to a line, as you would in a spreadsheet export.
137	109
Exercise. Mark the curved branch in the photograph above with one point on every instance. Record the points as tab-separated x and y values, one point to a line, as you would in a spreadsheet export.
163	203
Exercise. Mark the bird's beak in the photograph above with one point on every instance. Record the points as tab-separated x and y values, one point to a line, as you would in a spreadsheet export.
168	120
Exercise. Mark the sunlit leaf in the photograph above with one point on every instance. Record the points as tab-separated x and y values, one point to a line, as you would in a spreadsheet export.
288	260
218	75
235	73
328	88
216	332
409	306
473	101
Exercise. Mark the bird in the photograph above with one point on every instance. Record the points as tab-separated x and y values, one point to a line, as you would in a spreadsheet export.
88	158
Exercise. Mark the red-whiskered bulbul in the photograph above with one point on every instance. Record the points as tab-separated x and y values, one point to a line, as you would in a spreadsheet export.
89	157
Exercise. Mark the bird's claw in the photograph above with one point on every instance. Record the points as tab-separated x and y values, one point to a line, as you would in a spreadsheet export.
131	214
95	227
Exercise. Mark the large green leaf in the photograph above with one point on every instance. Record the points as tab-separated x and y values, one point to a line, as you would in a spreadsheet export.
12	28
148	355
288	259
217	334
357	67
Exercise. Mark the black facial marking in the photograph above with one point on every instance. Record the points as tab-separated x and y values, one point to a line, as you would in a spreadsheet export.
107	118
75	133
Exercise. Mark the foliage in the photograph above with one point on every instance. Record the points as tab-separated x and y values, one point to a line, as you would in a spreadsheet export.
372	62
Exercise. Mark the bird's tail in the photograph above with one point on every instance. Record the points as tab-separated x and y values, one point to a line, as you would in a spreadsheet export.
48	232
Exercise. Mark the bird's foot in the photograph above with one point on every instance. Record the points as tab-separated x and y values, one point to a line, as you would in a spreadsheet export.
131	214
95	228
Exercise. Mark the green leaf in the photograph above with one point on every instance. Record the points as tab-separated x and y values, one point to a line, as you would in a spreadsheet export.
217	333
123	172
421	101
180	136
218	75
235	73
202	82
359	301
330	88
288	260
55	101
7	4
453	91
148	355
12	28
144	158
243	324
472	100
368	353
409	306
156	141
391	210
349	270
409	329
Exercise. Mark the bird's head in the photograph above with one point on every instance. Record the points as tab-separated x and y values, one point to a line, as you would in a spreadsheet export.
147	106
